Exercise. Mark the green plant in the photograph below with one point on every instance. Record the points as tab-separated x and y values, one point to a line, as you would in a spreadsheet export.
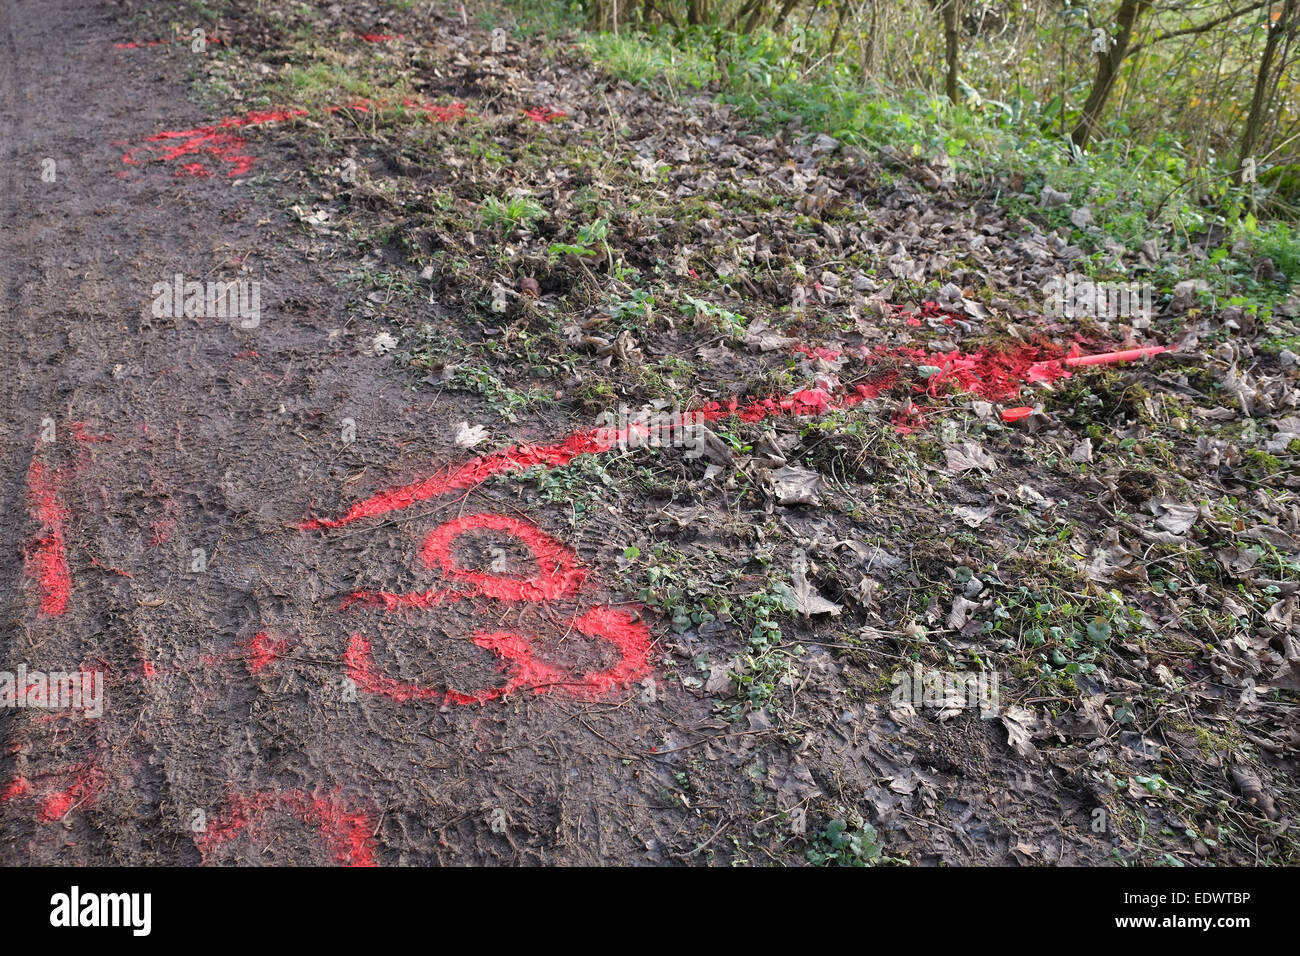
839	845
513	213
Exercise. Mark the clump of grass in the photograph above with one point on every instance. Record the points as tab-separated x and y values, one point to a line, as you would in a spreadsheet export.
513	213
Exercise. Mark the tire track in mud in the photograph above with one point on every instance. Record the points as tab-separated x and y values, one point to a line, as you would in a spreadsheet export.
79	790
53	762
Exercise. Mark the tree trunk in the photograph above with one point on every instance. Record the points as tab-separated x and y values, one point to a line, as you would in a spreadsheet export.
1259	101
1108	64
950	43
786	7
839	25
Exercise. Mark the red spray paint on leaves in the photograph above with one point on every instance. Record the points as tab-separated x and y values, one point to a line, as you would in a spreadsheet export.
346	831
992	374
586	442
441	114
544	114
473	473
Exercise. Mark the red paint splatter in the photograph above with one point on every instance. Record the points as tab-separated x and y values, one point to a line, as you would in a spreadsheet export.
87	782
544	114
346	831
1015	414
20	787
441	114
379	37
83	792
264	649
216	142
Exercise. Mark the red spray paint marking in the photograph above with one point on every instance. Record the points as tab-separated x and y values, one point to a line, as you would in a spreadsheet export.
544	114
216	142
46	559
87	783
379	37
219	145
991	374
347	832
83	792
621	629
586	442
20	787
514	651
264	649
440	114
556	575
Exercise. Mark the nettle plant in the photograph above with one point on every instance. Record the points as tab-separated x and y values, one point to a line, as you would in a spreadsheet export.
592	240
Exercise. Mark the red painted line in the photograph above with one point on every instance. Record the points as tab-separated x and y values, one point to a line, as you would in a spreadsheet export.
586	442
346	831
423	600
472	473
992	374
46	558
441	114
218	143
1112	358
